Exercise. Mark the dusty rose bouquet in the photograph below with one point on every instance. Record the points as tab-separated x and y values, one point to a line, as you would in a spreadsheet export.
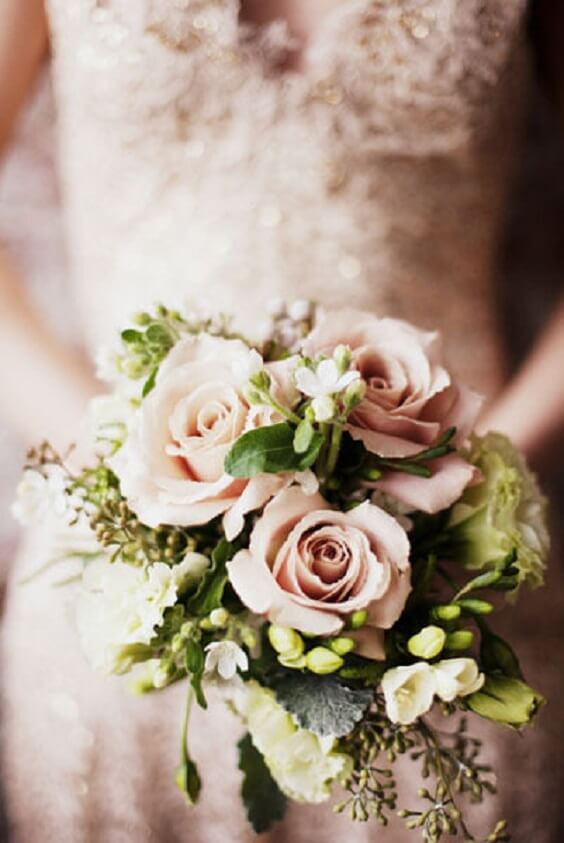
308	526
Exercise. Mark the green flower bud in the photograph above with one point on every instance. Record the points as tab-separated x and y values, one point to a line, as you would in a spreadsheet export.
447	613
321	660
372	474
297	663
506	700
354	394
341	645
219	617
357	619
142	318
286	641
342	357
428	643
476	607
261	381
460	640
252	396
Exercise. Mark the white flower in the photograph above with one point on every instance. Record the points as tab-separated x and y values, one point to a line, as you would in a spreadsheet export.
299	310
225	658
325	379
323	408
308	481
39	495
457	678
408	691
109	417
245	364
303	765
106	361
120	606
276	307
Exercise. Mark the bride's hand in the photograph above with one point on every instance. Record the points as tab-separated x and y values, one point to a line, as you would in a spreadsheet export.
531	409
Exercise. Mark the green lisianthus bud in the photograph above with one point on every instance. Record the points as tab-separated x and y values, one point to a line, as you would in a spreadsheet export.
476	607
321	660
286	641
506	700
448	612
296	663
341	645
357	619
460	640
428	643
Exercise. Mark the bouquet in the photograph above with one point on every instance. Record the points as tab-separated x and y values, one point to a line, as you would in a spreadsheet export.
307	527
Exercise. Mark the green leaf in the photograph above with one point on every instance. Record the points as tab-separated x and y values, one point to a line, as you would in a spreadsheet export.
149	384
505	700
264	802
496	656
188	781
325	705
195	661
270	450
209	593
303	436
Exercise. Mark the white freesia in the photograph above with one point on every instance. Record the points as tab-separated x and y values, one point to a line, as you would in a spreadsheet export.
40	495
120	606
457	678
303	765
225	658
408	691
326	379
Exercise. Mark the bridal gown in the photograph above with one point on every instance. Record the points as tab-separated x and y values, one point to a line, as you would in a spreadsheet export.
193	167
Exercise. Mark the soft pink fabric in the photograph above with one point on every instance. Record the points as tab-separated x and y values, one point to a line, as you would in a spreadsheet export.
309	566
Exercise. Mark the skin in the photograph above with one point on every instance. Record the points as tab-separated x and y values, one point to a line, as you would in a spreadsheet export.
51	376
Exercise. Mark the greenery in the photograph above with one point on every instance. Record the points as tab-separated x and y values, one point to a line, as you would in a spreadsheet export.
264	802
270	450
326	705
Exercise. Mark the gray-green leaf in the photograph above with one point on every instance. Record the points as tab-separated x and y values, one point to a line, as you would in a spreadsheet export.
323	704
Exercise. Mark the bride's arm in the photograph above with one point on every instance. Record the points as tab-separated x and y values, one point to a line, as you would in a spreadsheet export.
43	385
531	410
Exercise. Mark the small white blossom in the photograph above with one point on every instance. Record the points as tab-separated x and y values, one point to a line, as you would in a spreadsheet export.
39	495
276	307
323	408
326	379
245	364
224	658
457	678
300	310
265	330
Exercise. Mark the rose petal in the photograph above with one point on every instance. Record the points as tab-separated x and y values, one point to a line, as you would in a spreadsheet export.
451	475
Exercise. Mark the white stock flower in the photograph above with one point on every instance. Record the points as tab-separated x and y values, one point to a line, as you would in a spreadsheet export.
303	765
326	379
225	658
40	495
408	691
323	408
457	678
120	606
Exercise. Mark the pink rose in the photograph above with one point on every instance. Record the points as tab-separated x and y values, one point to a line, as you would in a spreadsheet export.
410	401
308	566
171	465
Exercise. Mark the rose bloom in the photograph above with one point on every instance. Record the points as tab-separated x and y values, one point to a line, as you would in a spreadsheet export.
309	566
171	465
410	401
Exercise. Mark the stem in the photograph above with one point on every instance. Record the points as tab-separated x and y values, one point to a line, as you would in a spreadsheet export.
184	746
284	411
333	455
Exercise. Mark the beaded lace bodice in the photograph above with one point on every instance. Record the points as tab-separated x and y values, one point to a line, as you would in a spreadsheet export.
194	168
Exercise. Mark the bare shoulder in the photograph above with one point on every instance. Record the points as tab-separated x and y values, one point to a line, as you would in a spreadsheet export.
23	43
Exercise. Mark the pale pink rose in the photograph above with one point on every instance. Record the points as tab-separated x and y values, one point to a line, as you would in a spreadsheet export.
171	465
411	400
309	566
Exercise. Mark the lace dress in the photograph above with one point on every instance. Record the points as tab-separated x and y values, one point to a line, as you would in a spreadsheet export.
193	168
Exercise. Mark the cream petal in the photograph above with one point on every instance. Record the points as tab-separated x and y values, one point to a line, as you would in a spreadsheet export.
369	642
256	493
